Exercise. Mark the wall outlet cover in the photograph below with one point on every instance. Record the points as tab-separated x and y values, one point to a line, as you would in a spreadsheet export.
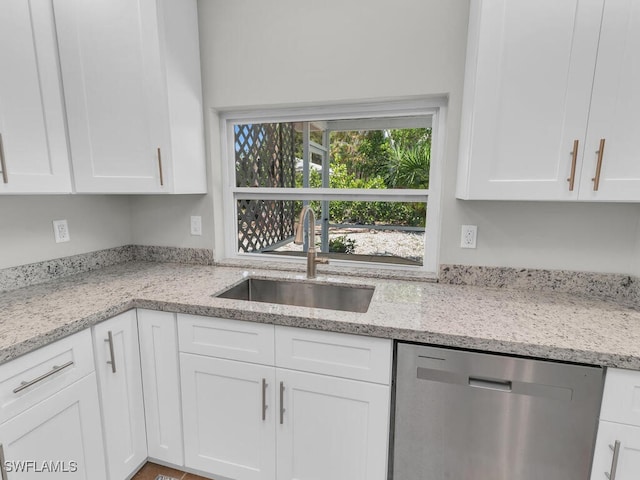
468	236
61	231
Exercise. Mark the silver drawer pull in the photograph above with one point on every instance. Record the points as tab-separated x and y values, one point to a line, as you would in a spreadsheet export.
160	167
264	399
282	409
614	461
30	383
3	163
111	362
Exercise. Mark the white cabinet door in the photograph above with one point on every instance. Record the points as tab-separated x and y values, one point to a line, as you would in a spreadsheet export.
331	428
33	145
528	84
161	385
115	95
61	434
229	416
627	464
615	105
120	384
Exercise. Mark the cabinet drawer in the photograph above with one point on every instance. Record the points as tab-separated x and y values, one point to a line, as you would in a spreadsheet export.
336	354
621	399
36	376
231	339
627	463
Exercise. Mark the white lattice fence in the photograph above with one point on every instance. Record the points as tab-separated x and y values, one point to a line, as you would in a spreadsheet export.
265	157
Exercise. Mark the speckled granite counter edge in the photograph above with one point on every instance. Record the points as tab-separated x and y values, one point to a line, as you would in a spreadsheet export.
40	272
624	289
603	359
38	341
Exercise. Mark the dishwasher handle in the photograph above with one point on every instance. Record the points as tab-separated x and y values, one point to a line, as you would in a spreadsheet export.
514	386
490	384
459	378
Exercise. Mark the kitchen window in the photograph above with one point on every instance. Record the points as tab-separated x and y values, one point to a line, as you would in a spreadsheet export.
370	173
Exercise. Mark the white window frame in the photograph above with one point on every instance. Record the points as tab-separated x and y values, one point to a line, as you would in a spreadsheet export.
436	108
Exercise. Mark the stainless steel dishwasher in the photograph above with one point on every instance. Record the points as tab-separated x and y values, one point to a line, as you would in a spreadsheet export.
472	416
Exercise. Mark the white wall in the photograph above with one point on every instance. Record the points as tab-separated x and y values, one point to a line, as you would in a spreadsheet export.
286	51
26	232
165	220
283	52
573	236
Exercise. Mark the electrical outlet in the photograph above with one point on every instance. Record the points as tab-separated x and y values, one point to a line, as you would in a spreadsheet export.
196	225
61	231
468	237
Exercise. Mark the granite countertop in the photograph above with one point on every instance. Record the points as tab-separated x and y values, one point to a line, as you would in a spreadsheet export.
547	325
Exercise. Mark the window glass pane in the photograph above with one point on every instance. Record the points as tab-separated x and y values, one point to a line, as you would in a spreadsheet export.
272	155
381	232
315	135
264	224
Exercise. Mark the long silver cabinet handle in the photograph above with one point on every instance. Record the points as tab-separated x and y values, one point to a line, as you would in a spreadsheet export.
160	167
55	369
614	461
3	470
574	161
600	153
282	409
3	165
264	399
111	362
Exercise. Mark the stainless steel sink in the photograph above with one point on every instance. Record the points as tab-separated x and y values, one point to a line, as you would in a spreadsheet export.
303	294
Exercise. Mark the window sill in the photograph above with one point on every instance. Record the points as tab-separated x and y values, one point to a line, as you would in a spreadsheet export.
342	268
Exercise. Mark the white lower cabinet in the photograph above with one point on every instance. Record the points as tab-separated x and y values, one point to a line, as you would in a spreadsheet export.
229	417
161	384
617	452
626	463
60	436
50	414
250	421
236	413
120	384
331	428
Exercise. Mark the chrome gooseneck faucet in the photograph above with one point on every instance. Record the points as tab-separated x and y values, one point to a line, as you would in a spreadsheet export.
312	256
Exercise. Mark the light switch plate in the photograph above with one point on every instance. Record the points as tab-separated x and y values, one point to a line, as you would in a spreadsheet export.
61	231
196	225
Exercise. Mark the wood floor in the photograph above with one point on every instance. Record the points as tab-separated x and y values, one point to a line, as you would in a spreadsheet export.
150	471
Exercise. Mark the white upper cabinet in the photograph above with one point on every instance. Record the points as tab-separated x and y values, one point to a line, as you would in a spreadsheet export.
615	107
33	145
528	101
132	88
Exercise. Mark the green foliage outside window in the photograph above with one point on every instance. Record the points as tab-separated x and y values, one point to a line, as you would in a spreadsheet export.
377	160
